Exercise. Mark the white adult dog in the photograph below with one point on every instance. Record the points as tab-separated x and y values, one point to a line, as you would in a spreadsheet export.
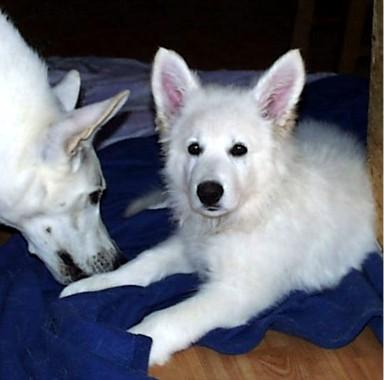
261	210
50	178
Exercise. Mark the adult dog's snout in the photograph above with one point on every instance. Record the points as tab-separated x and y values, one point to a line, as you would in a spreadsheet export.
209	193
103	261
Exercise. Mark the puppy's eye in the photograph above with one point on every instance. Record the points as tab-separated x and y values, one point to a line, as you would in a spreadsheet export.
194	149
94	197
238	150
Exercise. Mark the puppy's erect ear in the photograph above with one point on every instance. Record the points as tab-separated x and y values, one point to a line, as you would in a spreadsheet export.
278	90
172	81
67	90
65	138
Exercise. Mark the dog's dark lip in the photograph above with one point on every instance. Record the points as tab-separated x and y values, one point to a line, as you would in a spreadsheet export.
213	208
212	211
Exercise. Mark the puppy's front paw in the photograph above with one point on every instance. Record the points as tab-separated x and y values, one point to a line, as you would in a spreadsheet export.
166	339
96	282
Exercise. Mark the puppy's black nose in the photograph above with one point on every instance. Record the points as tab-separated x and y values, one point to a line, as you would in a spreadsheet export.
209	193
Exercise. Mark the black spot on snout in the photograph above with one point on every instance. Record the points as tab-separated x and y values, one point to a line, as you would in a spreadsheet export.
74	271
48	230
106	260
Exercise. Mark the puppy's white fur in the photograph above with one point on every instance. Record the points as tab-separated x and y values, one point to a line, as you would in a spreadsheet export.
48	167
296	210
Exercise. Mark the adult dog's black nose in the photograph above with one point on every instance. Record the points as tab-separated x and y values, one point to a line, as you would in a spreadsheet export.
209	193
71	268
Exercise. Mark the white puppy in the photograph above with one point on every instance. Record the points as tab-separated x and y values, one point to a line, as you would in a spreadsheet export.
50	177
261	211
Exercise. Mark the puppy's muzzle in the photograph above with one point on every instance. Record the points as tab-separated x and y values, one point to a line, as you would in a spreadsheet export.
210	193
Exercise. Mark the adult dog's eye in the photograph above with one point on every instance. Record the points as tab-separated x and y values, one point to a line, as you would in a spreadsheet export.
94	197
238	150
194	149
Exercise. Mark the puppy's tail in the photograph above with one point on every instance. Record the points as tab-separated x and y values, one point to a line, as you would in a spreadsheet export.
156	199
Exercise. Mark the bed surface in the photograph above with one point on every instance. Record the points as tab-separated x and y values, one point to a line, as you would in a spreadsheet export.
83	337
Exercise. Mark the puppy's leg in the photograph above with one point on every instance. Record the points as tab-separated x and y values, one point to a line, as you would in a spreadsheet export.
150	266
214	306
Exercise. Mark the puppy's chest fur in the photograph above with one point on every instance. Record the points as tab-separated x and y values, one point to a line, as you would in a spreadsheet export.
211	250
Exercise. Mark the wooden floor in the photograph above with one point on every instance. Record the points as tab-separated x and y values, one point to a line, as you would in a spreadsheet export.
5	233
280	357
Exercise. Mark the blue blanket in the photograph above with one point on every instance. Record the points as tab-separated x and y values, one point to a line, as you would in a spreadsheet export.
83	337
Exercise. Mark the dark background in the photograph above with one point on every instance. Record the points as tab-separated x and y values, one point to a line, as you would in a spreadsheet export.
238	34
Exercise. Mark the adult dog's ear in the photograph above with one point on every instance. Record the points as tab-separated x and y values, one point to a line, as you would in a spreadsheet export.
67	90
172	82
278	90
65	138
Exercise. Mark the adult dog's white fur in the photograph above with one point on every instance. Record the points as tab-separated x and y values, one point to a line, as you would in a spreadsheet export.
48	166
282	210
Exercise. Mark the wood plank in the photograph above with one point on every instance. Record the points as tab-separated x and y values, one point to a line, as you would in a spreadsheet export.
280	356
5	234
375	126
351	50
303	25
